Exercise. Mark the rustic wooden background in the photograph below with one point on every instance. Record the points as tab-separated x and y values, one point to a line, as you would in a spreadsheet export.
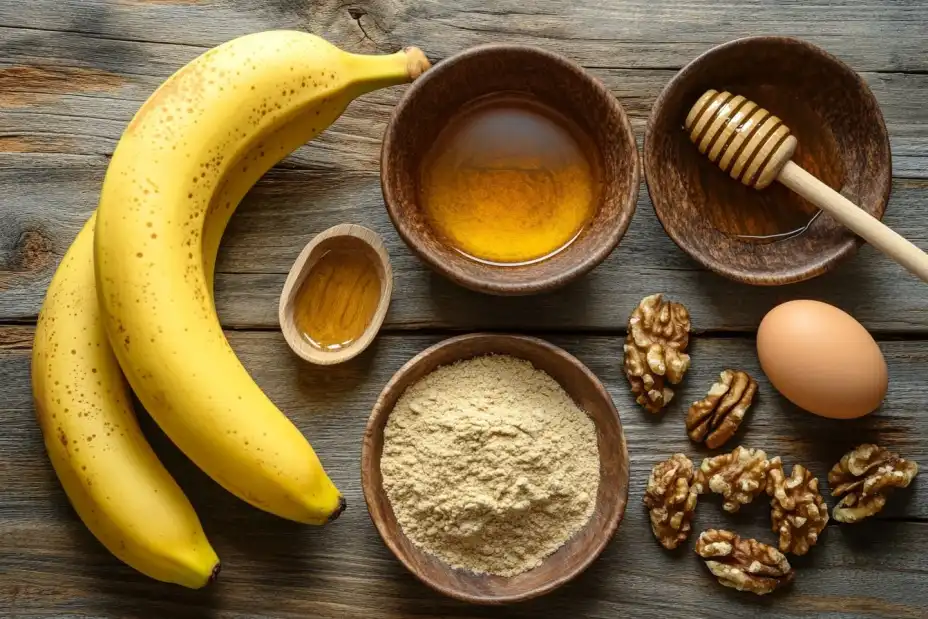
72	72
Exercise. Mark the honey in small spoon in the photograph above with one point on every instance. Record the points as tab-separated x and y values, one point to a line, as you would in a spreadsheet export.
339	296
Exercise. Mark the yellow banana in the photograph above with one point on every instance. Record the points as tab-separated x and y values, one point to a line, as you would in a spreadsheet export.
185	161
112	477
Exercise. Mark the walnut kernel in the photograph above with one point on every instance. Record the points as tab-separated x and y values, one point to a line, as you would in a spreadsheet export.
744	564
798	512
739	476
716	418
671	500
864	476
658	335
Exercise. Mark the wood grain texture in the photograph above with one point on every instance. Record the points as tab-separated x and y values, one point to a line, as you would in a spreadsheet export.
72	74
574	556
47	201
83	89
631	33
92	63
53	567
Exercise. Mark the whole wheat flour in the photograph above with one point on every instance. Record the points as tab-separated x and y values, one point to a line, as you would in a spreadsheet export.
489	465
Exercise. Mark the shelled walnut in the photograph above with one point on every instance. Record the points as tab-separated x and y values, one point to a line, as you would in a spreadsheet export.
744	564
655	350
798	512
716	418
671	500
864	476
739	476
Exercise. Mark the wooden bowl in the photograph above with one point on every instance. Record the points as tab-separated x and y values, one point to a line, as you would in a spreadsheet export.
572	558
441	92
350	236
842	140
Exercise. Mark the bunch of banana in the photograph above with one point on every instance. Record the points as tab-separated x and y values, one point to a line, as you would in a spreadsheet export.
187	158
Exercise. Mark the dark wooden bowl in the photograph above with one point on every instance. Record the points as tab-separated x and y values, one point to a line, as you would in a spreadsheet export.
572	558
557	82
842	141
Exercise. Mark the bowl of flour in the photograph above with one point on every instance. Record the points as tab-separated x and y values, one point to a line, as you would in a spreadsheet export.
495	467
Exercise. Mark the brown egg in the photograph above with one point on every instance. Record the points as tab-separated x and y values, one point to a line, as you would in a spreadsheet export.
822	360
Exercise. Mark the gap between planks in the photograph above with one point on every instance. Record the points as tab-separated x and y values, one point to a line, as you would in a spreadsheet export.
435	58
394	330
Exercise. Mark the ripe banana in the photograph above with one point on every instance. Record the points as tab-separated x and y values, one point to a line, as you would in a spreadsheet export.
117	485
185	161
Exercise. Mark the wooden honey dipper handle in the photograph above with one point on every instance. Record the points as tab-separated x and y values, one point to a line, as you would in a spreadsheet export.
756	148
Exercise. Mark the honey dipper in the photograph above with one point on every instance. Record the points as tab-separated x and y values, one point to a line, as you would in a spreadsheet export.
756	147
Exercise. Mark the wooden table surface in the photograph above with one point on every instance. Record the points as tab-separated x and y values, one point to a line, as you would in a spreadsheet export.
72	73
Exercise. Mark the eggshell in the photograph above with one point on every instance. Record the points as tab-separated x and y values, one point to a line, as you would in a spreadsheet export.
822	360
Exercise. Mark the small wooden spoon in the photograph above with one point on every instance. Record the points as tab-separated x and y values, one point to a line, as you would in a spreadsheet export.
340	236
755	147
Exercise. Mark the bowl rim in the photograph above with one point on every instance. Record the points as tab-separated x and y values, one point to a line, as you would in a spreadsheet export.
818	265
368	461
469	280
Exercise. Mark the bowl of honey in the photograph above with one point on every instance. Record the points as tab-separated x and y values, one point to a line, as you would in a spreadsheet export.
509	169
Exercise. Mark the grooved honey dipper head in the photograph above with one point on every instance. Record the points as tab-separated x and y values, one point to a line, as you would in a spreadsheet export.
742	138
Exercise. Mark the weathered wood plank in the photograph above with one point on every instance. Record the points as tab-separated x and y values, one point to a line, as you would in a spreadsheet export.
271	569
52	566
46	203
634	33
72	72
74	93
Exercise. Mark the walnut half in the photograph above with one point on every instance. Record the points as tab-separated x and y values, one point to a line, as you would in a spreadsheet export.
864	477
798	512
671	500
716	418
655	350
744	564
739	476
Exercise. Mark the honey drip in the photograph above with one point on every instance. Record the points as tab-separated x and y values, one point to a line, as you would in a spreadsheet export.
508	181
338	298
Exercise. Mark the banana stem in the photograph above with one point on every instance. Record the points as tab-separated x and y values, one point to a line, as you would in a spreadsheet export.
371	72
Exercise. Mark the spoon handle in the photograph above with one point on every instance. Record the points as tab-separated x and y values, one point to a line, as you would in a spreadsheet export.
861	222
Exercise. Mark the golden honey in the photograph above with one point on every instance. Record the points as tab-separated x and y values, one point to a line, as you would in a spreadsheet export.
508	181
339	297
